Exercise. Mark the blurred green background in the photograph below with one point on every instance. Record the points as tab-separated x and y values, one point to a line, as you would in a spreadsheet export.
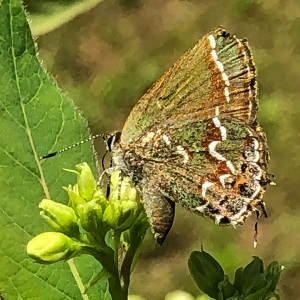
106	54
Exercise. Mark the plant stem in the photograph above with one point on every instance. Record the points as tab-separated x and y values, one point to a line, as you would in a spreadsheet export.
117	237
109	261
116	290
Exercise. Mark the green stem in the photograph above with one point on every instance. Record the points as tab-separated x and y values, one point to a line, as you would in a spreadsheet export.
116	290
137	234
126	268
117	237
106	259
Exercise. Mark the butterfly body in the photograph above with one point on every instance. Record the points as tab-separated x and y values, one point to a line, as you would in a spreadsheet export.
193	138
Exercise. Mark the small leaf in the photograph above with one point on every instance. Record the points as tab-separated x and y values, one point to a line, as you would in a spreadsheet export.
253	268
251	278
238	278
273	273
226	288
254	283
259	293
206	272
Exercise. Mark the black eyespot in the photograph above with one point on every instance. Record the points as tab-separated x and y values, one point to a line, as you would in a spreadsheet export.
252	82
244	168
224	220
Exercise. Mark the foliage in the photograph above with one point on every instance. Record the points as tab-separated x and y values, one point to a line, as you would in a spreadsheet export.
250	283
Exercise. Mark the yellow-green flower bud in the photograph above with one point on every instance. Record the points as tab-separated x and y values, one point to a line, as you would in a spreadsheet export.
120	215
91	218
128	214
74	196
112	214
128	191
179	295
114	186
86	181
99	195
50	247
100	198
60	217
122	188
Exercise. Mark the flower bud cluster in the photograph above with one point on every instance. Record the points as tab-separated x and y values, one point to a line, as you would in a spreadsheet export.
84	223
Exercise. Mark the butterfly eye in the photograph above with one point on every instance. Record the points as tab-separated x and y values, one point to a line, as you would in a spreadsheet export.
112	139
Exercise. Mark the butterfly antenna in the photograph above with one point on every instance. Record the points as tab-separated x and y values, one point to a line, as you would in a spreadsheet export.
103	158
51	154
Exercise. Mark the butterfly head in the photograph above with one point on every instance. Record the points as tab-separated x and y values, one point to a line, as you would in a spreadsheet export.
111	139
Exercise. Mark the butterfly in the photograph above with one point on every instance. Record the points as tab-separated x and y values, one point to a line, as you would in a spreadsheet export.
193	138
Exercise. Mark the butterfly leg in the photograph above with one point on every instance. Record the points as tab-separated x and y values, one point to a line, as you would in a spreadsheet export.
160	211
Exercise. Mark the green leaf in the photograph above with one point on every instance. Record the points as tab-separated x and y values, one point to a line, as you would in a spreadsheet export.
273	274
238	278
206	272
251	278
255	283
226	289
36	118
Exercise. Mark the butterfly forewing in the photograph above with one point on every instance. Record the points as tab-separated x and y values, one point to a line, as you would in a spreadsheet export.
217	73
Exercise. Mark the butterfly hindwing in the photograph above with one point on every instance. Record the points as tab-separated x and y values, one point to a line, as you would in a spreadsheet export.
215	168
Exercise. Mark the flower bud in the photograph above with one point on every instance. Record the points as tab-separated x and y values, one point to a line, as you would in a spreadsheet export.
91	218
112	214
122	188
60	217
128	214
50	247
179	295
114	186
128	191
100	198
74	197
86	181
120	215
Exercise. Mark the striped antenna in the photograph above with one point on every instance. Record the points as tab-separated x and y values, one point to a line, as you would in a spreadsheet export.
51	154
